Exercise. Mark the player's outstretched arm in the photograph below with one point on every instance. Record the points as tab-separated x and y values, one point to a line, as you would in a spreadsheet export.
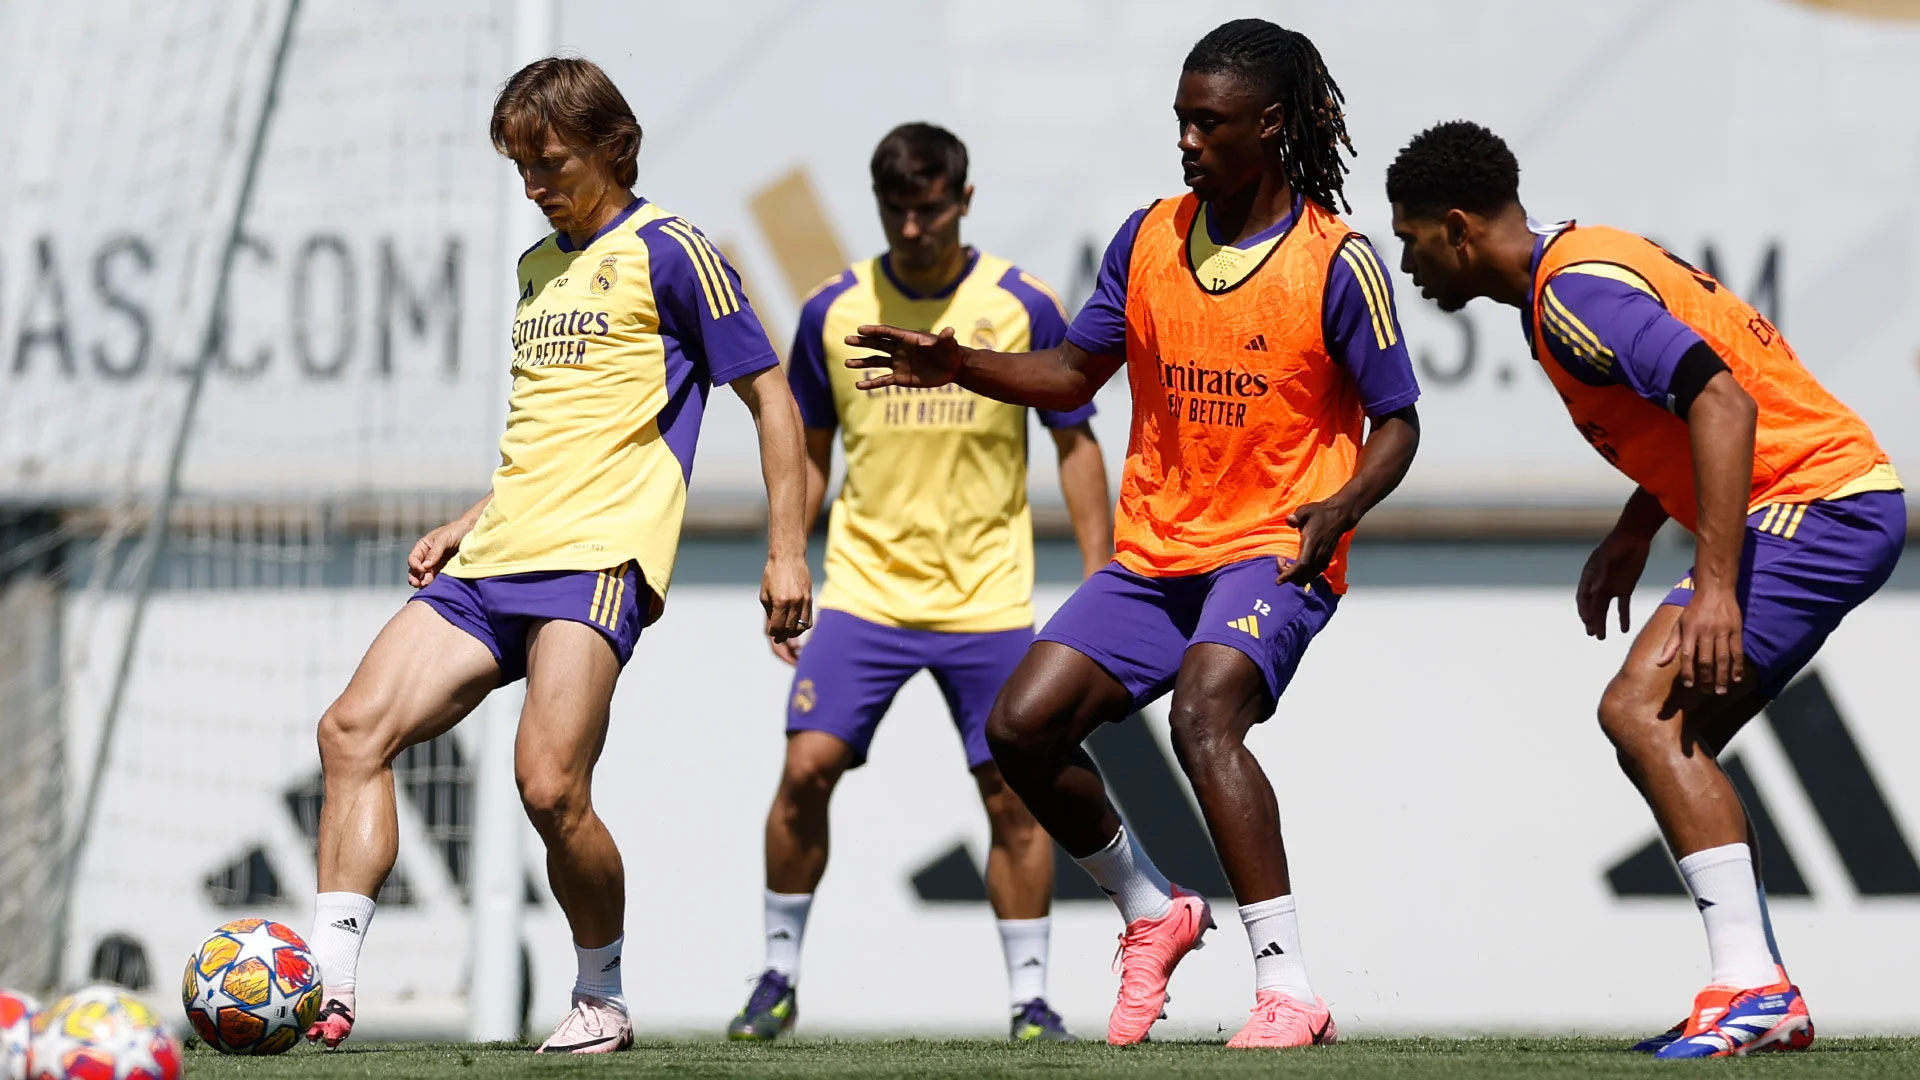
1062	378
432	551
1614	568
1706	640
786	587
1383	463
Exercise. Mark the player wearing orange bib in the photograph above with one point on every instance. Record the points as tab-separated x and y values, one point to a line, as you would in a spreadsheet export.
1797	517
1259	338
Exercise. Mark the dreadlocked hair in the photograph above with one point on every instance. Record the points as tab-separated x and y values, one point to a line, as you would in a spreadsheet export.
1284	65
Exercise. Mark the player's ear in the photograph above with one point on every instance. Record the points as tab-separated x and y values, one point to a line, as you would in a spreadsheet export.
1272	123
966	199
1457	227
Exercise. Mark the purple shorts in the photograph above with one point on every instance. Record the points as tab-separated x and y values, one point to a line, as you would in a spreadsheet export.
1138	628
1803	570
850	669
500	610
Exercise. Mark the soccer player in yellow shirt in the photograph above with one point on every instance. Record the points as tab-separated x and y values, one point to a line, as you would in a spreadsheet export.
920	575
627	318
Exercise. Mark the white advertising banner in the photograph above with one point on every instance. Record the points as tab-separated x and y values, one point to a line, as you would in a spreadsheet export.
367	346
1466	854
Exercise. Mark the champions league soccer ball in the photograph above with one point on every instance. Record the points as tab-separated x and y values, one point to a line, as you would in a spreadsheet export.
16	1020
251	988
101	1034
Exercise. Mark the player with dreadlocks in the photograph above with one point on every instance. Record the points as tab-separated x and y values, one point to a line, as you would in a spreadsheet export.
1259	337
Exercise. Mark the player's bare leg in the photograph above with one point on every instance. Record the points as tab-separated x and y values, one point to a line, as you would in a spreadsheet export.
1218	696
1020	853
797	829
420	676
1667	738
571	671
1020	890
1053	701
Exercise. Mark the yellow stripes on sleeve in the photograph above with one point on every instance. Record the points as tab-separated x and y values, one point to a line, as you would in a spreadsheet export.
1573	333
609	591
722	298
1612	272
1041	287
1365	265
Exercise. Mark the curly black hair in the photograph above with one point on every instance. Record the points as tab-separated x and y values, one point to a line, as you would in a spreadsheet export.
1284	65
1458	165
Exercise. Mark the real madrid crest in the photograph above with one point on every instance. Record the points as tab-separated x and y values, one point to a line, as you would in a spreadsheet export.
803	696
605	278
983	335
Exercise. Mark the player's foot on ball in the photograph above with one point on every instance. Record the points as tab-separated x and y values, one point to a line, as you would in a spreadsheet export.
1035	1022
1149	949
1727	1021
1282	1020
1653	1044
593	1026
770	1010
334	1021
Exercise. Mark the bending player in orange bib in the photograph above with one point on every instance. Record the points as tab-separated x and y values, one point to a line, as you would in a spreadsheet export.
1259	338
1796	512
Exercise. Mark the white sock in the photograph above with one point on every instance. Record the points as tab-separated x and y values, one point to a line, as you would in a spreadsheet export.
1723	886
599	972
1024	941
1273	929
1766	923
786	925
1125	873
340	923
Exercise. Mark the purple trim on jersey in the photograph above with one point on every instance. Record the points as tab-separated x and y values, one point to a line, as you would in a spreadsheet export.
1047	330
566	244
700	350
1264	235
807	364
721	349
1794	590
1101	326
1646	341
1383	375
686	404
886	267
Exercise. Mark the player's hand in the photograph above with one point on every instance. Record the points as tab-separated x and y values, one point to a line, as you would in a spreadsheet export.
788	651
1321	526
786	594
1706	641
433	550
1610	574
909	358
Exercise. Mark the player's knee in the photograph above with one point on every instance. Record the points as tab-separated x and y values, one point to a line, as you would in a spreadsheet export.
351	735
554	800
1200	732
1018	729
809	781
1625	717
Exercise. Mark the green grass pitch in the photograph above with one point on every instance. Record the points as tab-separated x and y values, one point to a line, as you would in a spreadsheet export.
912	1059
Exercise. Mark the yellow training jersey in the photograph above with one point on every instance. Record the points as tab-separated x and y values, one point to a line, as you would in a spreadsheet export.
615	348
931	529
